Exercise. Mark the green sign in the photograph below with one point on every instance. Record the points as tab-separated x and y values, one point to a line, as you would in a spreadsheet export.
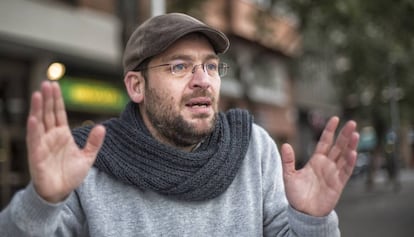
92	95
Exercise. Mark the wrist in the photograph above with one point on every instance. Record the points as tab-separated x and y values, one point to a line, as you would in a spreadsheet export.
48	197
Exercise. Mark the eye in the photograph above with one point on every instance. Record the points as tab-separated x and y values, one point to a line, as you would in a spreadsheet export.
179	67
211	66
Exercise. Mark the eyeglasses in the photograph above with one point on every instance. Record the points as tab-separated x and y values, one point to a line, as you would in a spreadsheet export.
185	69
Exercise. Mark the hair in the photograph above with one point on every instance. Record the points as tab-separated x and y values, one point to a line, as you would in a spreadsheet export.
143	68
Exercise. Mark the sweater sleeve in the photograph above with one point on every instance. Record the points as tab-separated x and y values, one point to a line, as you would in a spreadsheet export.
280	219
305	225
29	215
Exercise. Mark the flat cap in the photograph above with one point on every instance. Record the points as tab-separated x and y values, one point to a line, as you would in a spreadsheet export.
156	34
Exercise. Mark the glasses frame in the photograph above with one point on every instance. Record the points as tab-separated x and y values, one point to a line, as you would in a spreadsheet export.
221	67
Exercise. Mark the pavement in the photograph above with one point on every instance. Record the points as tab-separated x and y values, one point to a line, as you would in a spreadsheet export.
385	210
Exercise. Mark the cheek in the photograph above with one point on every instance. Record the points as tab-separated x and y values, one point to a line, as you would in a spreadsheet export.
217	85
167	97
216	89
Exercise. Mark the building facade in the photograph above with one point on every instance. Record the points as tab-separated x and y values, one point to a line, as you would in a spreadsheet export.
87	38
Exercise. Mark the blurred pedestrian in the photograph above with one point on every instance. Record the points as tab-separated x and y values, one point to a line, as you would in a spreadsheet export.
172	164
392	159
411	146
377	157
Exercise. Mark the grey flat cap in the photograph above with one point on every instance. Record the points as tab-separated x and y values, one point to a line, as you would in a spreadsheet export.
156	34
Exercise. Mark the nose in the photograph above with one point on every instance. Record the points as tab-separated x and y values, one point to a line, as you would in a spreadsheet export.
202	66
200	78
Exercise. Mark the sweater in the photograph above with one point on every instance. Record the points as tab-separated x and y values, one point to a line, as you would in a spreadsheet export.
254	204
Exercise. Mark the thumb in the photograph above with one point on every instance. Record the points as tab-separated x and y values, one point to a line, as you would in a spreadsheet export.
288	160
94	142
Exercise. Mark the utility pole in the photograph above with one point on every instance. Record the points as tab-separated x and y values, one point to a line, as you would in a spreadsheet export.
393	137
157	7
127	12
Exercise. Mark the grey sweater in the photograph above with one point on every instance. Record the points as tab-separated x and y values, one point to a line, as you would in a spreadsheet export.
254	205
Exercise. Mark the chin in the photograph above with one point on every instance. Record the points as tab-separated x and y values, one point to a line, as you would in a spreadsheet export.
203	125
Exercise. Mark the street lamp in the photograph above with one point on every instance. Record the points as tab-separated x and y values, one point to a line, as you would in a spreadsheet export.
55	71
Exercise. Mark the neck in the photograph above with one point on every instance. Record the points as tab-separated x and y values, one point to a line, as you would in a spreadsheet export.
159	137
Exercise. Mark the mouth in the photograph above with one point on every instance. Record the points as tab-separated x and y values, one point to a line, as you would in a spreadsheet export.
199	103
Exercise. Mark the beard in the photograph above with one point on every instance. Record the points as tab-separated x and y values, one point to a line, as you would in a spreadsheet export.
170	124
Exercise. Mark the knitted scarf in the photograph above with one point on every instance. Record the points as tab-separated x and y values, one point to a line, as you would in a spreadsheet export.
131	155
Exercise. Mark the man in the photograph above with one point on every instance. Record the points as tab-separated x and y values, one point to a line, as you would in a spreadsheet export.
171	164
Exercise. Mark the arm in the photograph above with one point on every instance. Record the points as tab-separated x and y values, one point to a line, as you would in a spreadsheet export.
57	165
30	215
280	218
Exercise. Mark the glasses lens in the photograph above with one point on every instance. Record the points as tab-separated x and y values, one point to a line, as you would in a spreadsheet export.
183	69
222	69
180	69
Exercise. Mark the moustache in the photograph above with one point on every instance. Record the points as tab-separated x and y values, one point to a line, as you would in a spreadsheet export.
199	93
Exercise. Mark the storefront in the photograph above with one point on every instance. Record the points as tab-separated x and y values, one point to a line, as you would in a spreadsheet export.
13	110
87	44
90	96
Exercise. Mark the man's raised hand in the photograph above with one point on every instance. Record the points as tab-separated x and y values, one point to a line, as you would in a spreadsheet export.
316	189
57	165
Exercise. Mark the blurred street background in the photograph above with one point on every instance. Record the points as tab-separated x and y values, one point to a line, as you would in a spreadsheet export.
293	64
380	211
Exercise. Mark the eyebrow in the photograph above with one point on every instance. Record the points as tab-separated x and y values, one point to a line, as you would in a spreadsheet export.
187	57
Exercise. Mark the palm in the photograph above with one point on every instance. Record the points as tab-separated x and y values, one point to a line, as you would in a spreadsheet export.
317	187
57	165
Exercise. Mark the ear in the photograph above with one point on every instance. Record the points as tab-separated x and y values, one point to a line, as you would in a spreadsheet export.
135	85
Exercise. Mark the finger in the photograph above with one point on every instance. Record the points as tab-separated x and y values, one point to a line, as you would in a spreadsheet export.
288	160
346	159
352	152
36	106
48	106
94	142
348	167
33	134
60	112
327	137
347	164
353	144
35	127
342	141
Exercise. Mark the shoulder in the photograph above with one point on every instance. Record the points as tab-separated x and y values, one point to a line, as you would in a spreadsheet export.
260	138
99	183
264	149
263	159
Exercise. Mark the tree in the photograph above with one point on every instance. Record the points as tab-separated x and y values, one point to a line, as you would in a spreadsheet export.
370	43
371	48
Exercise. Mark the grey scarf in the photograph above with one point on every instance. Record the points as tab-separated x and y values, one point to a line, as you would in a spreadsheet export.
131	155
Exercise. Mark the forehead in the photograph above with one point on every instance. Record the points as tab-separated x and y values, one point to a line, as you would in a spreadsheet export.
195	44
